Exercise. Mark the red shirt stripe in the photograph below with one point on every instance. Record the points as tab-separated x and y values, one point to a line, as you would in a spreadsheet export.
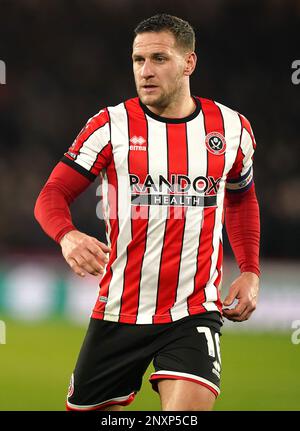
174	230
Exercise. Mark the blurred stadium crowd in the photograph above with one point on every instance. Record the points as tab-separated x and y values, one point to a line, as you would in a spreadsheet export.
66	60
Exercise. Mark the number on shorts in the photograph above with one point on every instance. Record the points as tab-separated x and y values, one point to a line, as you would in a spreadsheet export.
213	345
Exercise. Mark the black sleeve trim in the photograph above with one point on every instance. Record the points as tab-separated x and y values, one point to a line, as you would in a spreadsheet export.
89	175
240	178
241	190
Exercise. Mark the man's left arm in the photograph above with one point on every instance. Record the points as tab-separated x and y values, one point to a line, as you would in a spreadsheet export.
243	230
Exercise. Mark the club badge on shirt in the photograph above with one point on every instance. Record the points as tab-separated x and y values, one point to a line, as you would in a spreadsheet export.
215	143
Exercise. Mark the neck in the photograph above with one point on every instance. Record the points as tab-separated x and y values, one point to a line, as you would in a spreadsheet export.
177	109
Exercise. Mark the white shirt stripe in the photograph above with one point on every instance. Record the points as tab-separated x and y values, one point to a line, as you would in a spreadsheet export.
92	146
247	148
232	137
188	266
120	145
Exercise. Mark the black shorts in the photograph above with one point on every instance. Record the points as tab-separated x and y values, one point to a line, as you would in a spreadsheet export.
114	357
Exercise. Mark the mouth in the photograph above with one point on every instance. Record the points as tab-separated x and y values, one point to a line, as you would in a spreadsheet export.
149	88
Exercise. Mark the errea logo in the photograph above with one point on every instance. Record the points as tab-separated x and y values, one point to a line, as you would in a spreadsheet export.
137	140
139	143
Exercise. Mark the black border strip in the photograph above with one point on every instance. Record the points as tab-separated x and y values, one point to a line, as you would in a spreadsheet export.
241	178
148	199
89	175
173	120
242	189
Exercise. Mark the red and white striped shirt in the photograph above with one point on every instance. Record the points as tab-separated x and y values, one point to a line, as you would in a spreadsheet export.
163	185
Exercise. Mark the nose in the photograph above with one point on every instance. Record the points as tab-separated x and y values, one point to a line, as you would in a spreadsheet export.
146	70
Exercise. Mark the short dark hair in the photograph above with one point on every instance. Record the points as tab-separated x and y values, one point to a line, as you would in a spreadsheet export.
183	32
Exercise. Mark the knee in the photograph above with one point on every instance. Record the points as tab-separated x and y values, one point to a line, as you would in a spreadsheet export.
114	408
188	407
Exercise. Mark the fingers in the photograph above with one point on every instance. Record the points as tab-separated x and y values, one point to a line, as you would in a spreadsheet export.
244	289
247	313
87	262
231	296
85	254
97	251
235	313
102	246
75	267
91	263
240	313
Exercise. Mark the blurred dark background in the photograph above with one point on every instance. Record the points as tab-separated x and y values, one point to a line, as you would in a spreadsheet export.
66	60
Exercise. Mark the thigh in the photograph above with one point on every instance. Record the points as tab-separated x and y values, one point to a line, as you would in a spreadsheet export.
109	368
191	354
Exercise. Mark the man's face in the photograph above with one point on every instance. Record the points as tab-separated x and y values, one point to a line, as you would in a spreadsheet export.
158	67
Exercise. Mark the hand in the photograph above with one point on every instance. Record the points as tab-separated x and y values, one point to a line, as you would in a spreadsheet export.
84	253
245	289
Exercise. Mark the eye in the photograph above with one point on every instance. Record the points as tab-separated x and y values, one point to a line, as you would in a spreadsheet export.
138	59
160	59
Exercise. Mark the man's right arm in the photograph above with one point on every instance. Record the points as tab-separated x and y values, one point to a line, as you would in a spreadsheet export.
90	152
52	210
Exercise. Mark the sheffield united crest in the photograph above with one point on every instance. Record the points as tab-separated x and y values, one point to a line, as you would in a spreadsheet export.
215	143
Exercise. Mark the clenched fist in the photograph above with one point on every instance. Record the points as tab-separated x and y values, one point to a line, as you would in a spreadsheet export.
245	289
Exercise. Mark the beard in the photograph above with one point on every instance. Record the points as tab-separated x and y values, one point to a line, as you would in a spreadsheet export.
163	99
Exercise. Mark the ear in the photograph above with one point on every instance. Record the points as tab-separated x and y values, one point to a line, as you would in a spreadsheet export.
190	63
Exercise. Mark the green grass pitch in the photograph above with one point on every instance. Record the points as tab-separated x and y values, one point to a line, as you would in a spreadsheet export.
260	370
